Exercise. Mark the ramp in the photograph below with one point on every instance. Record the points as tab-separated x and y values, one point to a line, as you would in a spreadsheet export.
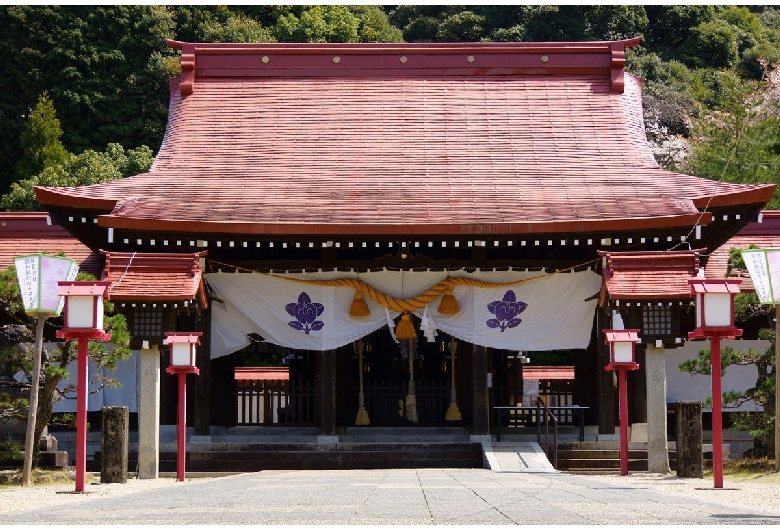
516	456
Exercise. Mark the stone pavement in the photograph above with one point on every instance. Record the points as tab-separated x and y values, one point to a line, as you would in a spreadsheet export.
386	497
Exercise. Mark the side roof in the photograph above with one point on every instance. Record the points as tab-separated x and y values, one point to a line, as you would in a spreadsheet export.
645	276
386	139
155	277
31	232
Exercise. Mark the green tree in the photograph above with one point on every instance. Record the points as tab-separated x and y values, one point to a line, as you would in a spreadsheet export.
374	25
518	23
669	105
669	26
607	22
740	141
761	425
465	26
328	23
237	28
419	23
757	43
101	66
16	354
40	141
89	167
713	44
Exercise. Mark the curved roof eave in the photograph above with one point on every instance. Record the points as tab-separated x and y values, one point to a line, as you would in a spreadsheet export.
387	229
759	195
63	198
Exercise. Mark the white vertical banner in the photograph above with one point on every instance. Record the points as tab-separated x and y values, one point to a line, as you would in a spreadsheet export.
764	268
38	276
27	271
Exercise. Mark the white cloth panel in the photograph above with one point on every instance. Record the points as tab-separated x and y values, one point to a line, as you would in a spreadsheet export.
558	315
258	302
127	373
547	313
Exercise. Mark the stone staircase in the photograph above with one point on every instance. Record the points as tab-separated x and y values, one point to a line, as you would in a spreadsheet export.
603	457
250	449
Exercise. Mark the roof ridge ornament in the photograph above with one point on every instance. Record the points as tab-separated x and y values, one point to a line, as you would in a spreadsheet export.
618	64
187	65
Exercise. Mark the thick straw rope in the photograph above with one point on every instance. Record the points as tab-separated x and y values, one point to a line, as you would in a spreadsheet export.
406	304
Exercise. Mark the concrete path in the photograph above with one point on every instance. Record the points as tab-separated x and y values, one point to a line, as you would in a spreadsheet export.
387	497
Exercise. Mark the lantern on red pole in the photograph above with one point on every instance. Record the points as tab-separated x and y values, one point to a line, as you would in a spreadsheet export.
182	363
715	320
83	315
622	358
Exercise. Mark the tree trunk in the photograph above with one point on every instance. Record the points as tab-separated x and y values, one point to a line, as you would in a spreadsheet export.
45	410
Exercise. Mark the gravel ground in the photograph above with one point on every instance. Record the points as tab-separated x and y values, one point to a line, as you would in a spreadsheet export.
758	491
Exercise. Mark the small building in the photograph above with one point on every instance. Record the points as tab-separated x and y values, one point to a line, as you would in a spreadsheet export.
318	199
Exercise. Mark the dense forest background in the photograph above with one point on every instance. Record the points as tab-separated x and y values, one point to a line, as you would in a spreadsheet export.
84	90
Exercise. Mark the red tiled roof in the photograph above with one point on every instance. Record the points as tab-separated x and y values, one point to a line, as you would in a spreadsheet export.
649	275
371	139
154	277
30	233
765	234
262	373
548	372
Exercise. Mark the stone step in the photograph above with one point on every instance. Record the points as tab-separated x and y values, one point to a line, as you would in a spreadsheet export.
603	456
598	454
575	464
254	457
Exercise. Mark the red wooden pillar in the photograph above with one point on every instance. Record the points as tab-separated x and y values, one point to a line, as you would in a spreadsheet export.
623	394
81	412
717	415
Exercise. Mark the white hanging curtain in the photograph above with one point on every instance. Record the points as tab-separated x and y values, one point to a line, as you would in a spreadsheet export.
543	312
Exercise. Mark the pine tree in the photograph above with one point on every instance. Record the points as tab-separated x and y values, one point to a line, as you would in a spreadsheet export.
40	140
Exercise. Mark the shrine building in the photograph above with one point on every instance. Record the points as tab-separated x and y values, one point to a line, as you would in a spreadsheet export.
405	227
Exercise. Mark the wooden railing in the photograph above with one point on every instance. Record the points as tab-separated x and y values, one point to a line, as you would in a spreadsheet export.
274	402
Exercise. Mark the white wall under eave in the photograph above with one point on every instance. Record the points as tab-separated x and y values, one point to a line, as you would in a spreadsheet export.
681	386
127	373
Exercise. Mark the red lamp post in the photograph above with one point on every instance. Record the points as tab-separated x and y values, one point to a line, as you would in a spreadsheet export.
182	363
83	314
715	320
622	358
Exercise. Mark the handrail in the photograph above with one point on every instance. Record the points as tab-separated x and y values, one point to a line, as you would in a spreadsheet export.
544	413
576	410
542	406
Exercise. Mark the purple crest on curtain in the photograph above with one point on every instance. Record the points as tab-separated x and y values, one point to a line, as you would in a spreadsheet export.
305	312
506	312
